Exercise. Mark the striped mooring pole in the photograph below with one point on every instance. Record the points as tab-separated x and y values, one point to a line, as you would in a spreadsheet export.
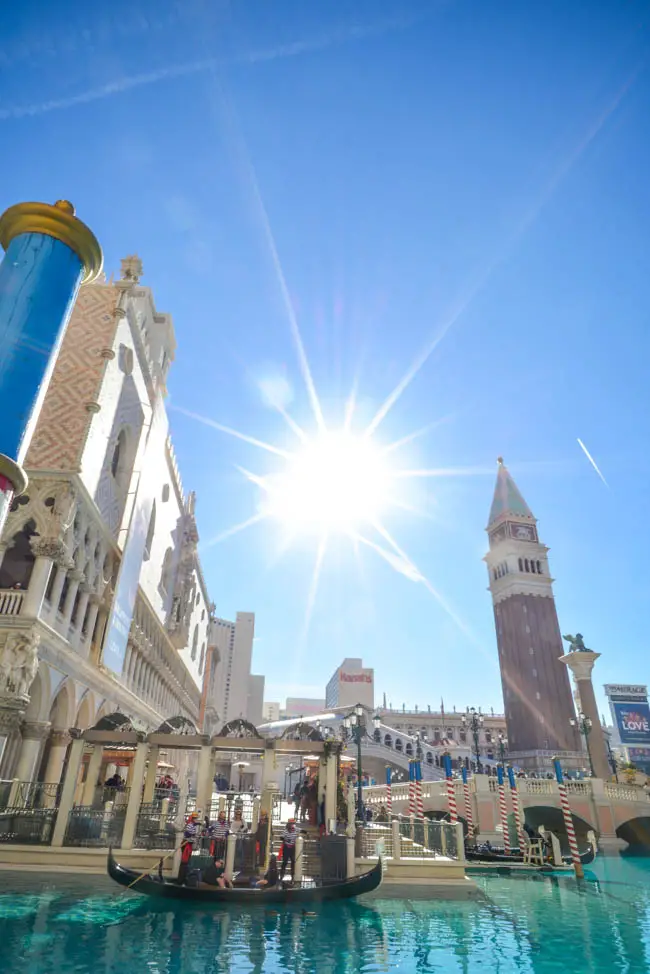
419	803
412	789
503	811
451	792
516	807
468	806
568	820
389	797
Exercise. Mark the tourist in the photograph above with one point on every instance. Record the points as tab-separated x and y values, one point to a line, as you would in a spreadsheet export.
296	798
238	824
261	837
271	876
304	800
289	837
214	875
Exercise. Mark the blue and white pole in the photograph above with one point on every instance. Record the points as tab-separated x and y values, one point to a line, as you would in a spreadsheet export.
49	253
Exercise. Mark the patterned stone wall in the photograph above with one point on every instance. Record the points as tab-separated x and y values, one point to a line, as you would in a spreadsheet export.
71	398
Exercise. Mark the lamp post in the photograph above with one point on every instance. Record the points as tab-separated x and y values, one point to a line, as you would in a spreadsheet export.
502	742
583	723
354	729
610	753
473	720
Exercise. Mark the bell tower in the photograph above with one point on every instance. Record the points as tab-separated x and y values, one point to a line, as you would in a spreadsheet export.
536	689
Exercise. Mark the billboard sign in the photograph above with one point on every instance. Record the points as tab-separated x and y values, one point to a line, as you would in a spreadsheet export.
633	722
119	624
365	676
627	691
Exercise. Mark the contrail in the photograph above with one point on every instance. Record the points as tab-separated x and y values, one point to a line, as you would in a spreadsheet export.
484	274
120	85
591	460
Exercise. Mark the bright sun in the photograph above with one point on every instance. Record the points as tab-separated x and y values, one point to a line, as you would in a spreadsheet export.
337	482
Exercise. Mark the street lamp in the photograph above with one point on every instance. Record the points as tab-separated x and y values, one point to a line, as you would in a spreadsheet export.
473	720
502	742
610	753
354	729
583	723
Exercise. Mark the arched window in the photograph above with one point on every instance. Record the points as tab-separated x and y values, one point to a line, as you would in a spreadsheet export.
388	740
150	533
409	749
539	568
527	565
429	757
398	744
202	660
165	574
494	572
521	565
532	567
195	641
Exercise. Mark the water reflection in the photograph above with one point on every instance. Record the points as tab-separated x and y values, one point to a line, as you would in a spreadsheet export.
538	926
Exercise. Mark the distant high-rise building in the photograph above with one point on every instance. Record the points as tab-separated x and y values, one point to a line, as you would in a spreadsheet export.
351	683
304	706
255	702
270	711
234	640
536	689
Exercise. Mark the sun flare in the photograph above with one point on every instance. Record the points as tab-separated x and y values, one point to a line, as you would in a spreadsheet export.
337	482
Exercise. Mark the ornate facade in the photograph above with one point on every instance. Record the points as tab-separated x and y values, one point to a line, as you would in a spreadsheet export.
65	540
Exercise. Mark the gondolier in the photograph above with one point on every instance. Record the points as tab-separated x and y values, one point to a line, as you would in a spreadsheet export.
289	837
190	835
218	834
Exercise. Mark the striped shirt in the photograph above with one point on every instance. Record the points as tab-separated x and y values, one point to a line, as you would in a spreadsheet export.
289	837
191	830
220	829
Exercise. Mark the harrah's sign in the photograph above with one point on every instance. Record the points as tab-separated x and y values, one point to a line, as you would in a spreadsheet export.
355	678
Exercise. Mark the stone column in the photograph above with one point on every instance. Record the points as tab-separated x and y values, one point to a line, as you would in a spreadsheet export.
11	712
205	778
92	616
150	779
269	772
33	734
69	787
332	785
59	740
45	551
102	616
61	575
81	607
76	578
581	664
135	795
92	773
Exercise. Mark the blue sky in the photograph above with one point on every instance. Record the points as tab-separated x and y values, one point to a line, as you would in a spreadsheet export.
463	170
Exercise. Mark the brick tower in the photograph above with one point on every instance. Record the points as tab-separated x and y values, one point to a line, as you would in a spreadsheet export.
536	689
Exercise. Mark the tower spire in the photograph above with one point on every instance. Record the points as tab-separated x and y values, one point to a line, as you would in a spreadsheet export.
507	499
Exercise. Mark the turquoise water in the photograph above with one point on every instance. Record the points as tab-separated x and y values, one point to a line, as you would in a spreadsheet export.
64	925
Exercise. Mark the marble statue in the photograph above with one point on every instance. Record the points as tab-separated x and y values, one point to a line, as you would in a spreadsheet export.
19	663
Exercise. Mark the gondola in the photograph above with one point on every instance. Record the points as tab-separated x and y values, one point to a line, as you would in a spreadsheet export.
299	895
479	855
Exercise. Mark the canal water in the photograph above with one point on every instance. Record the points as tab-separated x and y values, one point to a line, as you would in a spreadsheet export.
64	925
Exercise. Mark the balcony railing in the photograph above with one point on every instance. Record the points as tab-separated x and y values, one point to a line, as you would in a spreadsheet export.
11	601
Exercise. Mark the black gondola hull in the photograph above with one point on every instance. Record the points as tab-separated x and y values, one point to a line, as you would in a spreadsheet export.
299	895
471	855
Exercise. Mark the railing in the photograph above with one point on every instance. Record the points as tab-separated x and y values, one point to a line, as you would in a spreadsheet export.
25	826
118	796
11	601
155	827
36	794
88	826
626	793
373	834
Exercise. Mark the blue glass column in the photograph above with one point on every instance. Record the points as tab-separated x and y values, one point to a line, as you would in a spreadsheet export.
48	254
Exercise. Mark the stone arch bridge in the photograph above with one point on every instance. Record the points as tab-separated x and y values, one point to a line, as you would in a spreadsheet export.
617	813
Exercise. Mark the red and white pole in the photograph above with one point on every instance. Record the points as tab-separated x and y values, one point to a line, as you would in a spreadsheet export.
503	812
468	806
516	807
568	821
451	790
389	797
412	789
419	802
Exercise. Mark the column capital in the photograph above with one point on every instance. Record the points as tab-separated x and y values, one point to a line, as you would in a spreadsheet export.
581	663
11	712
60	738
35	730
52	548
76	575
